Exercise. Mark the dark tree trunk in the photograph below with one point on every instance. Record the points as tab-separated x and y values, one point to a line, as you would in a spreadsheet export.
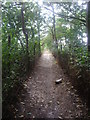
38	26
39	44
9	44
21	44
34	48
26	36
52	34
54	29
88	24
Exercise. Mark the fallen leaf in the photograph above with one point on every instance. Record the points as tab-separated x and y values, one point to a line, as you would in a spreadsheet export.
58	102
21	116
58	81
60	117
29	113
50	101
22	103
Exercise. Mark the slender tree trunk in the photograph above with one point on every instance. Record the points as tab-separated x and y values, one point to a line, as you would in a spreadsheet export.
38	26
88	29
21	44
9	44
34	48
26	35
54	29
39	42
88	24
52	34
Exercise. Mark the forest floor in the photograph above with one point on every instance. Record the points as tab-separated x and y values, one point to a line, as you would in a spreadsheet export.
42	98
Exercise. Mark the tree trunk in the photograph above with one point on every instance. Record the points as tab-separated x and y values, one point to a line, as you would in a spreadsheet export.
88	25
26	36
54	29
9	44
38	27
34	44
39	42
21	44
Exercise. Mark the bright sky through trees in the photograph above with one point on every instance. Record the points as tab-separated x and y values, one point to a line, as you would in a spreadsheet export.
28	28
48	13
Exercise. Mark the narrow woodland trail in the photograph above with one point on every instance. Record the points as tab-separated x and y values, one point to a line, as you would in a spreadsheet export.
43	98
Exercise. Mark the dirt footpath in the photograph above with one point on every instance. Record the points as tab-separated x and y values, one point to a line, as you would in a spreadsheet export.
43	98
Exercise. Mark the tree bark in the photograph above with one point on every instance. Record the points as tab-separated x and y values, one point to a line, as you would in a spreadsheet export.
38	27
26	35
21	44
54	29
34	44
24	29
39	41
88	24
9	44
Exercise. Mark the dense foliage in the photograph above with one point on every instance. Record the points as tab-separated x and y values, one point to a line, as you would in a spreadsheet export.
71	36
20	40
63	31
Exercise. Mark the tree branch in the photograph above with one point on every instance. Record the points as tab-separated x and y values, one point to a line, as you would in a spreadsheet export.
71	17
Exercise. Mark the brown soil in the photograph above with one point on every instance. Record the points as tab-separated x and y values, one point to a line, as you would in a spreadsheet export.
42	98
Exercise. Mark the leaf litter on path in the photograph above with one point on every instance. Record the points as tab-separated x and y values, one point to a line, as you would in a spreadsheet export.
44	99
